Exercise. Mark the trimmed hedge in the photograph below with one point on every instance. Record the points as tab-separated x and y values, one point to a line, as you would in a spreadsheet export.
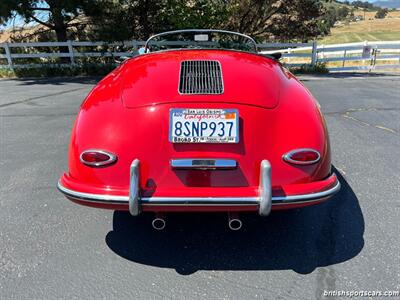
319	68
96	69
58	71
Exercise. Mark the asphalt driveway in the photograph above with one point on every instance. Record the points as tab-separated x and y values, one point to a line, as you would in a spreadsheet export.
51	248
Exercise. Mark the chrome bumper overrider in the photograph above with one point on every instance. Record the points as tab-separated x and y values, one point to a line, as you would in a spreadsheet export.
265	199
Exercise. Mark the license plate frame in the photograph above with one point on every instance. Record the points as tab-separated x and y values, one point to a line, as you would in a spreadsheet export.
208	116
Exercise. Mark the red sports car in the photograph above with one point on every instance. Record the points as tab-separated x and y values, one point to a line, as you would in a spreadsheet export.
209	126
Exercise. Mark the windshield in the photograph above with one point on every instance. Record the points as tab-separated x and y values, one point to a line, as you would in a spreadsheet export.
200	39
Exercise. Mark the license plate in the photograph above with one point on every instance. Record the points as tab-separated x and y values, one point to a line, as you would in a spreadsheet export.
203	125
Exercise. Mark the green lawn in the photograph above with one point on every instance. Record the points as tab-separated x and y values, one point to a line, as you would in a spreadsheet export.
352	37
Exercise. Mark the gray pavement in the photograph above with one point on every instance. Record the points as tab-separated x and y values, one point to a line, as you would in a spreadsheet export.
51	248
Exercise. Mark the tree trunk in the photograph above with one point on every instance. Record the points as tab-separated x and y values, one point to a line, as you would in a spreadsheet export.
60	28
61	34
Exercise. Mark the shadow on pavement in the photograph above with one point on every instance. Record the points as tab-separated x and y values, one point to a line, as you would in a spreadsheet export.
56	80
346	75
301	239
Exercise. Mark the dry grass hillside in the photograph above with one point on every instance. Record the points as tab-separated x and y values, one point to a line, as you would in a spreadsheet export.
5	35
370	29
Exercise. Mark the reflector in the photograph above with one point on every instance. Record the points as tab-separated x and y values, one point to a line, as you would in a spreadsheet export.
302	157
97	158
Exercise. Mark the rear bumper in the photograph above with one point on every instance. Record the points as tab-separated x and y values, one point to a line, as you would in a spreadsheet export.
197	201
287	197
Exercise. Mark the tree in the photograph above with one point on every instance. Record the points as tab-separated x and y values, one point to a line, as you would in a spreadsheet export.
381	13
343	12
113	20
126	19
329	19
129	19
363	4
279	19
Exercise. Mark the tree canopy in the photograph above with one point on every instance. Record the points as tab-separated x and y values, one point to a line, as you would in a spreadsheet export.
381	13
137	19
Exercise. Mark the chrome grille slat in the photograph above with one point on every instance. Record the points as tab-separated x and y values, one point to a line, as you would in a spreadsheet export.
200	77
182	82
219	79
200	67
209	79
215	78
186	80
192	82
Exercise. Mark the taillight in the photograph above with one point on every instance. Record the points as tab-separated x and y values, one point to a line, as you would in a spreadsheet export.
302	157
97	158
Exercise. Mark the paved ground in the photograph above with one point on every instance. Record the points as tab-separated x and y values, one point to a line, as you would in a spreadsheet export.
51	248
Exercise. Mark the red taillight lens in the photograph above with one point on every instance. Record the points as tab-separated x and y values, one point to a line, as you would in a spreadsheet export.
97	158
302	157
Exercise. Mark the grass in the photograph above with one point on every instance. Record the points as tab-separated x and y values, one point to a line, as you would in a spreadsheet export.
370	29
353	37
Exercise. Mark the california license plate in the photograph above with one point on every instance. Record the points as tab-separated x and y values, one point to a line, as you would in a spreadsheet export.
203	125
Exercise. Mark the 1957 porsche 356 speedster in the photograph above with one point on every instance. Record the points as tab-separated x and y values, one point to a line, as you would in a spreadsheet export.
210	126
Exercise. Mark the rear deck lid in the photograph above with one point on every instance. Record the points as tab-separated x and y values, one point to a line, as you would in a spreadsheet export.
201	76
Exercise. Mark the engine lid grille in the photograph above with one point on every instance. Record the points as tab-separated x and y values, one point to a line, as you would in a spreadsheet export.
201	77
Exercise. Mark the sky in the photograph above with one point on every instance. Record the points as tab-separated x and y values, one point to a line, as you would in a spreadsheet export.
19	21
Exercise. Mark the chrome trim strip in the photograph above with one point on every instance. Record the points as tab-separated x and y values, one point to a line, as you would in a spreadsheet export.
277	200
203	163
134	197
306	197
103	198
232	204
112	158
200	200
265	189
288	157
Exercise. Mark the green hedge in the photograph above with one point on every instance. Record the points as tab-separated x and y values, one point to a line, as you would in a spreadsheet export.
91	69
58	71
319	68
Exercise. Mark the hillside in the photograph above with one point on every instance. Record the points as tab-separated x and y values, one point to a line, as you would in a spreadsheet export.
370	29
335	4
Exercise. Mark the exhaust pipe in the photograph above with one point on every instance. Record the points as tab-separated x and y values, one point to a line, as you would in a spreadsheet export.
234	222
158	222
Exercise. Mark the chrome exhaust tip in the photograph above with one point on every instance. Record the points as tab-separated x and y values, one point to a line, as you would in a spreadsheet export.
158	223
234	222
